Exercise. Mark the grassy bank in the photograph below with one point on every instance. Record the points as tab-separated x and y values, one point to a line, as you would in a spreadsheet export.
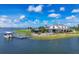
24	32
48	37
56	36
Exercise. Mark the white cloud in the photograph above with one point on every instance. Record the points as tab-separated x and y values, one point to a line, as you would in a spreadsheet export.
68	24
19	18
5	21
9	21
38	8
21	25
75	11
54	15
30	8
4	18
62	9
71	24
71	17
16	20
22	17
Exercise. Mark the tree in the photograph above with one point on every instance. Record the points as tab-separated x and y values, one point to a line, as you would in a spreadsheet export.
42	29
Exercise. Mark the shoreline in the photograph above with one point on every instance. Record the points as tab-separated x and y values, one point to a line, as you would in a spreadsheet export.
48	36
55	36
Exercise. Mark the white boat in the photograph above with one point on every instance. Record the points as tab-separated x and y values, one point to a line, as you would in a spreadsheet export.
8	35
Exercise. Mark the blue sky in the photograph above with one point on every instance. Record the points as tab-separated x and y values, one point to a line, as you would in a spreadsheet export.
24	15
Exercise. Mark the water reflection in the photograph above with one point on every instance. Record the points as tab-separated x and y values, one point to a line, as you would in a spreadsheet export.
74	44
8	39
16	45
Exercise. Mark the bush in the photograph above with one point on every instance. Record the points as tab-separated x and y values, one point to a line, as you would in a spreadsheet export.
42	29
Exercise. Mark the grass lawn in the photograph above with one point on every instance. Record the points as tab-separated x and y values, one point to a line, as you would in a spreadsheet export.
24	32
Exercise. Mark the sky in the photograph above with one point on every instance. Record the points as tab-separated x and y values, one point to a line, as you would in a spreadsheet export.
35	15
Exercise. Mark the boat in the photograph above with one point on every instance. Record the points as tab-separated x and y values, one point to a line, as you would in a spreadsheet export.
8	35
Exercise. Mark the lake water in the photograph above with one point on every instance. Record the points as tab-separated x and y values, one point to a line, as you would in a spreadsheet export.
37	46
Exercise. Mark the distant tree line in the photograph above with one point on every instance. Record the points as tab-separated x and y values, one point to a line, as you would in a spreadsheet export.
75	27
40	29
43	29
